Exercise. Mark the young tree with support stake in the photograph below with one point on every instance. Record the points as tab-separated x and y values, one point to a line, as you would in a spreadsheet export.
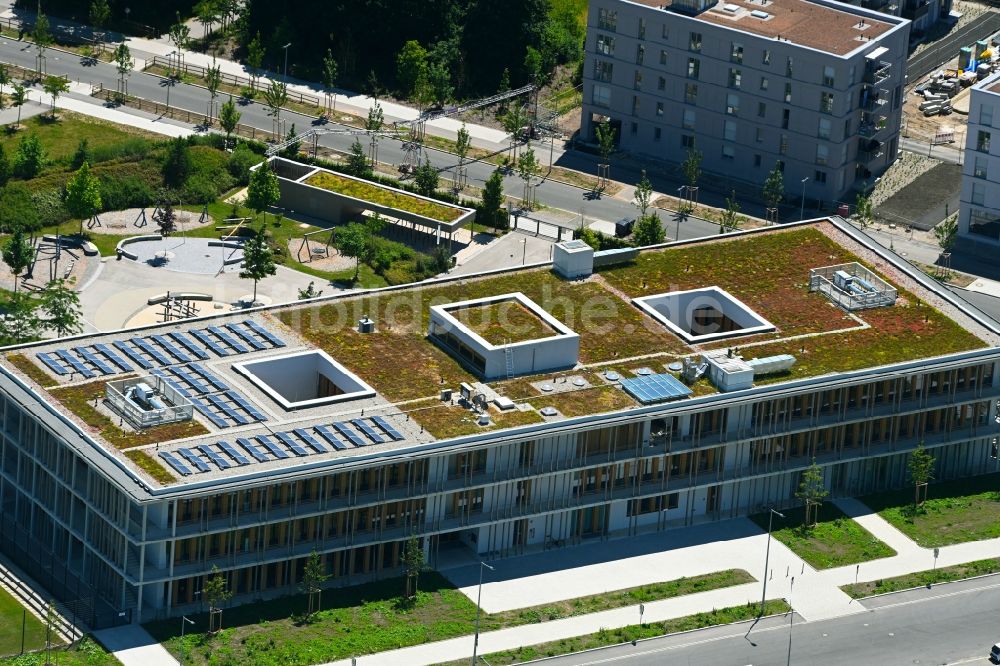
215	592
18	253
179	34
258	259
330	79
605	135
373	125
491	210
462	144
17	98
4	81
313	574
413	563
527	167
648	229
812	490
255	58
354	242
229	118
946	234
43	39
263	191
276	97
124	63
513	121
55	86
692	173
921	469
83	195
731	220
863	211
213	79
774	191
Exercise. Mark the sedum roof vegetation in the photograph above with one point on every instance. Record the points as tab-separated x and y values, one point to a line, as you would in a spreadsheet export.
504	322
384	196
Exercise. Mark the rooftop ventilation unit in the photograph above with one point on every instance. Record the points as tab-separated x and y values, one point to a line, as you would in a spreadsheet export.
366	325
731	8
763	16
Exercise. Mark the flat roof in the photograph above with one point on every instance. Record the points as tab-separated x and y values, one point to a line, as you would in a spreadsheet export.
837	30
767	269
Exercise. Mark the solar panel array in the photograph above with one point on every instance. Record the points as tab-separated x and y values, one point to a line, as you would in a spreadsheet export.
299	442
649	389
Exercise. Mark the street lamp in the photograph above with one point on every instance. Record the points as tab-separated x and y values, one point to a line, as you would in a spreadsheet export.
479	609
802	208
791	620
286	60
524	250
170	82
767	555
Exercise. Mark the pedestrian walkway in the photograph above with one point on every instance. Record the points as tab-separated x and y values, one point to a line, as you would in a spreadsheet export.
877	525
133	646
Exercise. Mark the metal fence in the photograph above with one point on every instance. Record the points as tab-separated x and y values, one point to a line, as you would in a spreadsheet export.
881	293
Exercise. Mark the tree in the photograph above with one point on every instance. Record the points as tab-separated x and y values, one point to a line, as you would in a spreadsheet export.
255	58
774	189
492	213
4	81
812	490
411	65
692	172
43	39
373	85
124	63
605	135
313	574
292	149
513	121
413	564
55	86
503	88
921	469
6	169
263	191
18	252
166	219
177	165
730	220
207	13
258	258
276	96
462	144
19	320
18	208
527	167
439	83
354	242
643	194
649	230
216	592
357	162
330	77
60	306
100	13
229	117
373	125
83	195
425	177
18	98
179	34
29	158
946	233
863	210
81	155
213	79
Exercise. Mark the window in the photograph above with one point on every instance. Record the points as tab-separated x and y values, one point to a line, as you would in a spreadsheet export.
603	70
728	153
694	66
736	53
659	108
689	118
760	134
788	67
766	57
828	76
657	133
826	102
637	80
788	92
634	128
978	194
763	83
735	78
602	95
819	177
825	126
732	104
786	115
666	31
761	109
640	54
847	127
981	167
663	57
642	28
694	41
983	142
986	115
635	106
729	130
822	154
607	20
661	84
783	144
691	93
606	45
756	160
687	141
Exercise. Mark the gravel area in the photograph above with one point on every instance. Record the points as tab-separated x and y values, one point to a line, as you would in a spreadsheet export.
902	172
123	222
331	261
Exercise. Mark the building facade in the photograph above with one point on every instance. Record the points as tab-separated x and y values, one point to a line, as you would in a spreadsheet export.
812	87
979	213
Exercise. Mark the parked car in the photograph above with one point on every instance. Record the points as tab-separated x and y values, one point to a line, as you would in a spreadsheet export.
995	653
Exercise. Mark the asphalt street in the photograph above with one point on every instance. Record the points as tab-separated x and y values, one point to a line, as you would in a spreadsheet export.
947	624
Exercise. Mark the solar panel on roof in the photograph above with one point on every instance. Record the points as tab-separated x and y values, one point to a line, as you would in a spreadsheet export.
264	333
113	357
171	348
655	388
219	461
194	382
226	409
207	340
351	436
91	358
252	449
245	405
287	440
208	376
368	431
231	451
178	466
144	345
72	362
246	336
188	344
136	357
271	446
310	440
193	458
51	363
228	339
387	428
331	439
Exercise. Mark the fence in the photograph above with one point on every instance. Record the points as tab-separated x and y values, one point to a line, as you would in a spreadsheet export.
26	73
865	290
236	81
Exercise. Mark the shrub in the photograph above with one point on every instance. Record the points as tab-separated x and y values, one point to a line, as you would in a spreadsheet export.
29	158
240	162
200	188
178	164
132	148
50	207
120	192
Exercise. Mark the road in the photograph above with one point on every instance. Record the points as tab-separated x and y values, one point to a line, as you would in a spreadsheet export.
946	49
947	624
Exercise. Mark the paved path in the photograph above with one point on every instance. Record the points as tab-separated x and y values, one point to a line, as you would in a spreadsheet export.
133	646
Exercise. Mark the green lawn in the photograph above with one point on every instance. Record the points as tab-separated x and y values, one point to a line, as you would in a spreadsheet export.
378	194
85	653
836	540
504	322
630	633
955	511
60	138
920	578
371	618
11	612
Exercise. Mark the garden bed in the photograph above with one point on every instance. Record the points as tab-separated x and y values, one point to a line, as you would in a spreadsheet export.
504	322
365	191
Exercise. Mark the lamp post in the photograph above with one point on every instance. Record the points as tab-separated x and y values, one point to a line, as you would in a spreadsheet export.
524	250
767	554
479	609
286	60
791	620
170	84
802	208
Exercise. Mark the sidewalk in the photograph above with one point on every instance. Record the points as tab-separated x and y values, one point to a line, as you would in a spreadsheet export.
133	646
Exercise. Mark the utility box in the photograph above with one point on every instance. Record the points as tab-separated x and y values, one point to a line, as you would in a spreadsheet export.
573	259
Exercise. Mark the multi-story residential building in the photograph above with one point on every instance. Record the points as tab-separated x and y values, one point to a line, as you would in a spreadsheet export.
979	213
812	86
133	462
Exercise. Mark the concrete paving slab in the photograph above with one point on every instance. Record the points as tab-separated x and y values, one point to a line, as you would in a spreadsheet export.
133	646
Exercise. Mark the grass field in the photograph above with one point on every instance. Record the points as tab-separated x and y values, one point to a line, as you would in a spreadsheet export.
955	511
60	138
11	612
85	653
920	578
836	540
372	618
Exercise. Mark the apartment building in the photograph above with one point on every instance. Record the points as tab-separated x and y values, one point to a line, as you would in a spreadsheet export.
812	86
133	462
979	212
